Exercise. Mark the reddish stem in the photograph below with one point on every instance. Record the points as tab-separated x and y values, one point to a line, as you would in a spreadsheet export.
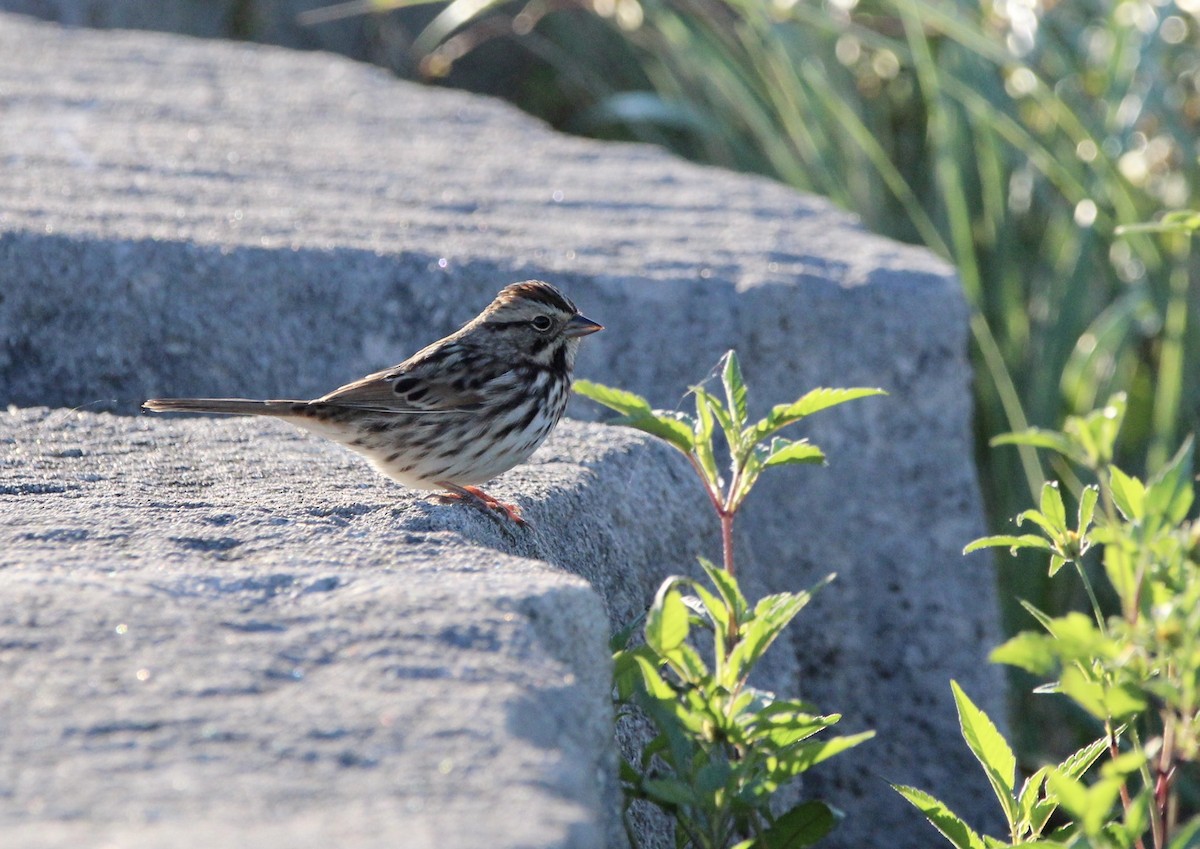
727	540
1165	770
1113	752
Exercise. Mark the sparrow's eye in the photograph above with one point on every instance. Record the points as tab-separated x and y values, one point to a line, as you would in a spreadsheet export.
541	323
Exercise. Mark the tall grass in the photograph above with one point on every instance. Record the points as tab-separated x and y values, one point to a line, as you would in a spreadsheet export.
1012	137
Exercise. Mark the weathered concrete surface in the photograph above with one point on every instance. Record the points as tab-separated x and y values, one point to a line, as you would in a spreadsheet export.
184	217
219	633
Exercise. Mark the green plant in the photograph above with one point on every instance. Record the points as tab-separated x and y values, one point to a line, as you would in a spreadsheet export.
722	749
1027	810
752	446
1137	671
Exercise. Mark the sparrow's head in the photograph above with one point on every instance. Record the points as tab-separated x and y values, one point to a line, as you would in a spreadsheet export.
533	321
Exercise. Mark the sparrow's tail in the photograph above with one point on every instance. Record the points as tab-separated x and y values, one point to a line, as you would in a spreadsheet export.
231	406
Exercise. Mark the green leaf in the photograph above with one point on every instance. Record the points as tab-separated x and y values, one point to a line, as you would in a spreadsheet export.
785	452
688	664
805	756
727	587
802	826
1043	521
624	402
667	619
1079	762
751	467
656	687
814	401
676	429
703	443
1012	542
1043	619
1121	569
670	791
1037	438
712	777
789	729
944	820
628	774
1076	638
1032	811
735	390
1117	701
990	749
1179	221
715	605
1087	507
771	615
1129	494
626	674
1169	493
673	428
1052	507
718	412
1091	806
1070	792
1096	433
1032	652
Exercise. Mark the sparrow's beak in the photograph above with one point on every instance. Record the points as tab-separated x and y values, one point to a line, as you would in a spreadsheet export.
580	326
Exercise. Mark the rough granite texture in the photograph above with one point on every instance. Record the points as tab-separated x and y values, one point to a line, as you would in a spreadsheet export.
181	217
220	633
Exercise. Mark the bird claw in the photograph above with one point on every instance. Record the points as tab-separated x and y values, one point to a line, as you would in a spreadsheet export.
476	497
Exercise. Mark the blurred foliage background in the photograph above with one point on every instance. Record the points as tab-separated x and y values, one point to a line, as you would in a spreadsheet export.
1012	137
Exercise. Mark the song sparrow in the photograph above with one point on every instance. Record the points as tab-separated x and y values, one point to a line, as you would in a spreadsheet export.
456	413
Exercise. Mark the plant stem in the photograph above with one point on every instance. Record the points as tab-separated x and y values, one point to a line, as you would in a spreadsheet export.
1113	751
1091	593
1165	770
727	540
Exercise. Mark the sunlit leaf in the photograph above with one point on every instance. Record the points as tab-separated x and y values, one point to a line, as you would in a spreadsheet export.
811	402
771	615
703	443
1037	438
1129	494
624	402
1080	761
1090	806
1115	701
1026	650
667	620
735	389
727	587
1087	507
944	820
1052	507
990	749
1032	811
785	452
804	756
677	429
1008	541
1169	493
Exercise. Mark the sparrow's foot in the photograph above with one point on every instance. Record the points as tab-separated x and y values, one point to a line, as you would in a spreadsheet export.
477	497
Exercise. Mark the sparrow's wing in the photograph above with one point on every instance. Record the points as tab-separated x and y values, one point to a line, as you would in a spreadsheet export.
440	379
